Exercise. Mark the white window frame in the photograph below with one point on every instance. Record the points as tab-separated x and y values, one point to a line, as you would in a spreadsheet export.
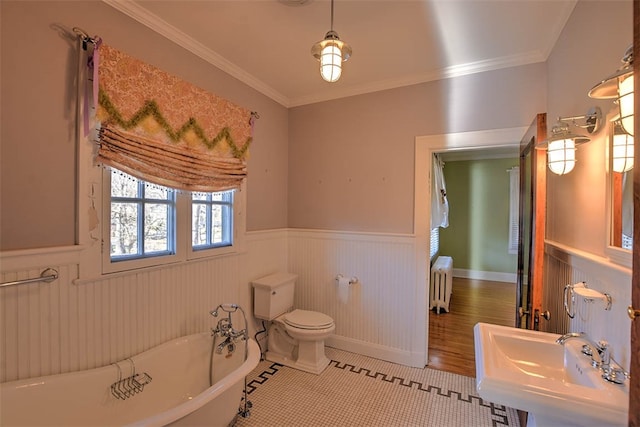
237	242
434	243
183	238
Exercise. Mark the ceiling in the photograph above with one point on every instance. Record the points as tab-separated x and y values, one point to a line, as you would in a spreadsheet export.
267	43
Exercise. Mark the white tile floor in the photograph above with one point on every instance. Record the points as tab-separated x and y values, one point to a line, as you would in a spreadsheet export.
360	391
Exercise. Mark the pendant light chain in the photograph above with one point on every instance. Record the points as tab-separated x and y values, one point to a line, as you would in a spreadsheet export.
331	15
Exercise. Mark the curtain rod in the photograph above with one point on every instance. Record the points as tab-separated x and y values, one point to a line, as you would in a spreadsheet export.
85	38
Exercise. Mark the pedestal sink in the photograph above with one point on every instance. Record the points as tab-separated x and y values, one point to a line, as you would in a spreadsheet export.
554	383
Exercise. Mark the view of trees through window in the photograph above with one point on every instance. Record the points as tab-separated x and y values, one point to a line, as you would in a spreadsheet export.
211	219
144	218
141	217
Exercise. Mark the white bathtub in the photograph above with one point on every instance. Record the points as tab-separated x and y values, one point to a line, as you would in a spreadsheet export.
179	393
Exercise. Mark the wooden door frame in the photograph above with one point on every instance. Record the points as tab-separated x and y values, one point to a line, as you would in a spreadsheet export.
536	133
634	389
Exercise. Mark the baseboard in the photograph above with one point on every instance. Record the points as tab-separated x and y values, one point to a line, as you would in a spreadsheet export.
389	354
494	276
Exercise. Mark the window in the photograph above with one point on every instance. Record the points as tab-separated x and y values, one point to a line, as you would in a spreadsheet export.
211	220
435	243
147	224
142	218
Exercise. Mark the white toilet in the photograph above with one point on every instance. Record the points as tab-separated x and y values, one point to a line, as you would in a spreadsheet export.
296	338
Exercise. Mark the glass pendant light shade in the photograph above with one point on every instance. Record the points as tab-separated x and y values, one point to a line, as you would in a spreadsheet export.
622	150
331	63
331	52
561	156
561	148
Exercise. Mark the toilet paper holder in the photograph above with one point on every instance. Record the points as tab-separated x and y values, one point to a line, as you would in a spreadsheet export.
340	279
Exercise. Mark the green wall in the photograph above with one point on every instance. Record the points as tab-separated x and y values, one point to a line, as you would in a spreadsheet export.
478	234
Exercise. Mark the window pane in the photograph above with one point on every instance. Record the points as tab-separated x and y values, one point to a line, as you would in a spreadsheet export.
216	229
199	196
123	185
124	230
211	219
152	191
435	242
199	224
156	236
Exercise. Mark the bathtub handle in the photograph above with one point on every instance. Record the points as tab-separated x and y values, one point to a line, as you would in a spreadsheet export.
227	308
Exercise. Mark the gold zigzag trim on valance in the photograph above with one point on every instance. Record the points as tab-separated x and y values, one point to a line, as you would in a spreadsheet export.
151	109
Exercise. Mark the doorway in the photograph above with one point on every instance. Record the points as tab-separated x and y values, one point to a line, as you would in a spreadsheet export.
482	191
483	202
425	147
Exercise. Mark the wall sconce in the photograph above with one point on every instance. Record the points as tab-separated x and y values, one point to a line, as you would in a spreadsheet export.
331	52
619	86
622	149
561	145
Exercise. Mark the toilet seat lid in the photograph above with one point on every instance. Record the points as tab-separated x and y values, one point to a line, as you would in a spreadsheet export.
305	319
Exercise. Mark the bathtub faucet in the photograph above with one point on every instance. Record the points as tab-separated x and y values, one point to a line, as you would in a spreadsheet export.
225	328
228	343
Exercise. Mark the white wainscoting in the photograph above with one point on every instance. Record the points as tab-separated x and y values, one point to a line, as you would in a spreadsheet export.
69	325
565	265
384	314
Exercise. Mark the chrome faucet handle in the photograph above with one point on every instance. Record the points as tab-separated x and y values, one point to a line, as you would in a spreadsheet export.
615	375
586	350
605	353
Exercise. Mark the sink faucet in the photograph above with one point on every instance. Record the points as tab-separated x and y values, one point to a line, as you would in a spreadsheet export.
600	357
599	352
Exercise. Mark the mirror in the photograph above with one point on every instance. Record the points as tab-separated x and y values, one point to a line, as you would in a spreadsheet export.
622	210
620	194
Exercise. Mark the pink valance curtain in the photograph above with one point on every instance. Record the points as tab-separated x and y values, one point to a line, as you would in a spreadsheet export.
164	130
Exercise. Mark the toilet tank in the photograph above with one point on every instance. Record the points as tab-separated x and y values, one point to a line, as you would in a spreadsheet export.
273	295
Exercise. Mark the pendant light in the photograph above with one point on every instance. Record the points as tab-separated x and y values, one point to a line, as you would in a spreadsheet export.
619	86
331	52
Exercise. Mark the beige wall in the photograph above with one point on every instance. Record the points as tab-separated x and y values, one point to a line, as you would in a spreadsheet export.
589	49
371	142
351	160
37	194
350	164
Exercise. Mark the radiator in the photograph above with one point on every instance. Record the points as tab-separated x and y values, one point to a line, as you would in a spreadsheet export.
441	284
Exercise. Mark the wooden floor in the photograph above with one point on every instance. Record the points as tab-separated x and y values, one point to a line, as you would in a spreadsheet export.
451	345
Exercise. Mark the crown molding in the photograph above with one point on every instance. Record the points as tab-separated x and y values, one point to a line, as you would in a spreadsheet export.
143	16
444	73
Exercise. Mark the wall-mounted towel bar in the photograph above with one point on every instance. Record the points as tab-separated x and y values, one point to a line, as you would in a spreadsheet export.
47	275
